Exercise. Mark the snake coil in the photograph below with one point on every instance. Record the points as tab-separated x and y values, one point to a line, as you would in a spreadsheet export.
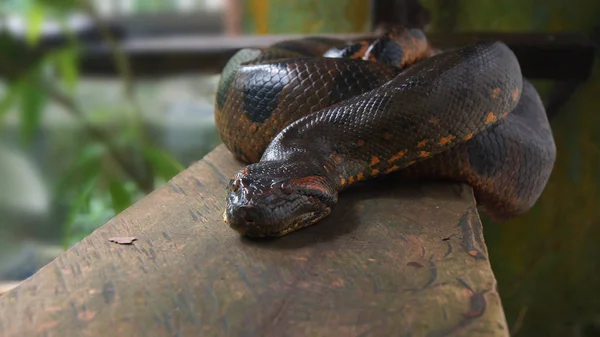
313	116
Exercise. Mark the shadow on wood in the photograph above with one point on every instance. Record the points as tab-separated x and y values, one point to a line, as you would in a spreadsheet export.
394	258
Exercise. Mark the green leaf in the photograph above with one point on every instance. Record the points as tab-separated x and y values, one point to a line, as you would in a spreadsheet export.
63	7
35	20
67	65
9	99
81	202
121	199
33	100
90	154
14	59
87	165
164	165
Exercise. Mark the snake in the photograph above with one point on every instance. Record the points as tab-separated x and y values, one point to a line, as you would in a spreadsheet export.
310	117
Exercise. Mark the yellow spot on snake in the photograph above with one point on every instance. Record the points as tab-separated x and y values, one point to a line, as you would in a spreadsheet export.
374	161
495	92
392	169
424	154
410	163
491	118
515	94
397	156
375	172
342	181
447	139
434	121
351	180
469	136
360	176
422	143
336	159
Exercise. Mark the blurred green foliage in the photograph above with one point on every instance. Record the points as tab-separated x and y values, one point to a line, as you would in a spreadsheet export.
111	170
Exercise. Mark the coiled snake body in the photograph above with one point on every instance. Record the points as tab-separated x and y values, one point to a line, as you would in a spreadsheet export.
313	116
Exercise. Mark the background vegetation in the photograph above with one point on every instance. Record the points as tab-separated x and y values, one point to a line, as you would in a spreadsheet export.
111	163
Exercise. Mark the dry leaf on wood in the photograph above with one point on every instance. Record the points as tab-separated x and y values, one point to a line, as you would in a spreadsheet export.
123	240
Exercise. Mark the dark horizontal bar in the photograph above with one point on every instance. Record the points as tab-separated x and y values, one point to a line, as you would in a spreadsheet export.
557	56
564	56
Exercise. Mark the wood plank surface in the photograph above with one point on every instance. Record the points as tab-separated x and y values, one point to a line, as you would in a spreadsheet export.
394	259
6	286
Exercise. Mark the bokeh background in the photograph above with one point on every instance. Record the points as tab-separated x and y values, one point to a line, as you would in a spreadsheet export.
77	147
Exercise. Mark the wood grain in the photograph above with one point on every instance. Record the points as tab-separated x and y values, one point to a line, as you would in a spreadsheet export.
394	259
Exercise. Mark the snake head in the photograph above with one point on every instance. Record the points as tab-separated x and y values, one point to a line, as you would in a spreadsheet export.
268	199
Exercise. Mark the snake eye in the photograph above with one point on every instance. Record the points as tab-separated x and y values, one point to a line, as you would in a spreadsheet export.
287	188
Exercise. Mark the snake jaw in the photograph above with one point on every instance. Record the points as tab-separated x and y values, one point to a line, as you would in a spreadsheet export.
251	220
302	221
260	205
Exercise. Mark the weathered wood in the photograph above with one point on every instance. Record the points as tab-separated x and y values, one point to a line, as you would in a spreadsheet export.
394	259
7	286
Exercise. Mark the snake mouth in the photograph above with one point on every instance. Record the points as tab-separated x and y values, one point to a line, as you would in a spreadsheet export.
271	205
275	214
263	230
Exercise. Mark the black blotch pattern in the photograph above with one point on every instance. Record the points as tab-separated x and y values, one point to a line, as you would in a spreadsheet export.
350	50
222	94
262	90
487	153
388	52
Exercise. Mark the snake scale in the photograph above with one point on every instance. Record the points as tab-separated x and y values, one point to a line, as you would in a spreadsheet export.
311	117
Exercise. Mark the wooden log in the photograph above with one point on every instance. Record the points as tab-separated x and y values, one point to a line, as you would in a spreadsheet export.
394	259
6	286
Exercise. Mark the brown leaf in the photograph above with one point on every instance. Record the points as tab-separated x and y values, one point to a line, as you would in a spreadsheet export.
123	240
